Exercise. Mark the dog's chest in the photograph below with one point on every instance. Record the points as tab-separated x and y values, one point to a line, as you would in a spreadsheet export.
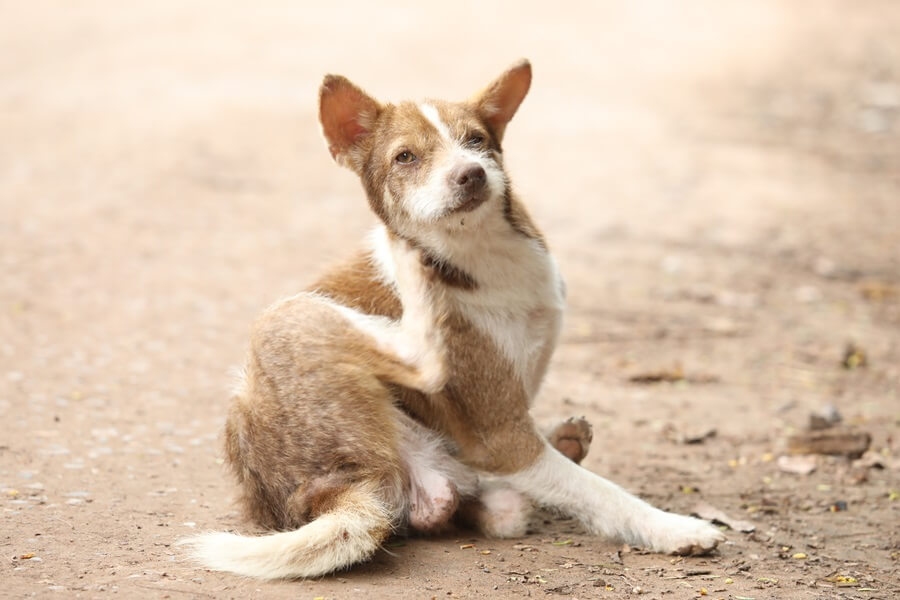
518	305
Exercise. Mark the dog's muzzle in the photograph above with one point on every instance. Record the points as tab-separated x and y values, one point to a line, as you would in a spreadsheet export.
468	183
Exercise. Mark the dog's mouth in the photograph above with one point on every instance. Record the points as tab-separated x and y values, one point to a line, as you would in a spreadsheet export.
470	204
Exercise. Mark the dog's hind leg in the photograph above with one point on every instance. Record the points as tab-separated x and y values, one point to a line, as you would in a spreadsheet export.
437	481
500	511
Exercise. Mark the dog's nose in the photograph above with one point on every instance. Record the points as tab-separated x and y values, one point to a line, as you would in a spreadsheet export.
470	177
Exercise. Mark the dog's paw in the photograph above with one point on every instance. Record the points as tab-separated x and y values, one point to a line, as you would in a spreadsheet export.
572	438
676	534
433	500
499	512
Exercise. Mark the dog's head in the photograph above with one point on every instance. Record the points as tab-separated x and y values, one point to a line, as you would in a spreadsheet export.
427	164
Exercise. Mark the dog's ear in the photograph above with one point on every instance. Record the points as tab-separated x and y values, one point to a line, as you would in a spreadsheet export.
347	115
498	102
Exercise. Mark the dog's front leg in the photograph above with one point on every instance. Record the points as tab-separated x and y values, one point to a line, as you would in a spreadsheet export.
606	509
411	350
420	338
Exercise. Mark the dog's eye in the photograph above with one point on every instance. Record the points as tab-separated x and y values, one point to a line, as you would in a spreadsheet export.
475	140
405	157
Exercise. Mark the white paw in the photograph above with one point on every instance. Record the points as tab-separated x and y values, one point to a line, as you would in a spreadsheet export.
676	534
433	370
433	500
505	514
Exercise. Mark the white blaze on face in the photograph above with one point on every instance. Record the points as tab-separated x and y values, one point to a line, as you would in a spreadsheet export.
431	200
430	112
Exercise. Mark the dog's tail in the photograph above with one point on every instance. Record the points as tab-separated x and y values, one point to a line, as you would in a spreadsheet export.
348	533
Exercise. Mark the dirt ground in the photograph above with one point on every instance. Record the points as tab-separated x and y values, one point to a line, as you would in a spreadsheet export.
720	182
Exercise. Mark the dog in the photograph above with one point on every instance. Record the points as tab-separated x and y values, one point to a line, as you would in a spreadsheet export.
395	392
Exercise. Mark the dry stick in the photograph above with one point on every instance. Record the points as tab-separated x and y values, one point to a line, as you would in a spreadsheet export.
846	535
168	589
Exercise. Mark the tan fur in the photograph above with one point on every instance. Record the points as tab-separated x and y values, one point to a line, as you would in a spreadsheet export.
399	385
466	410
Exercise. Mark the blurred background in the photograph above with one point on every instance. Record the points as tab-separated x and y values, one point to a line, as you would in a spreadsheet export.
719	180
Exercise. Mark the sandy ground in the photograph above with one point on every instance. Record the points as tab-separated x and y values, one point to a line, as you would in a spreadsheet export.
720	182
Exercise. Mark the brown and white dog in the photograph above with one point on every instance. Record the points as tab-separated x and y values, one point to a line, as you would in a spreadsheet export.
396	391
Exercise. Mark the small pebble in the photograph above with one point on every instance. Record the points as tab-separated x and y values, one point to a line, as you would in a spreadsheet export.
807	294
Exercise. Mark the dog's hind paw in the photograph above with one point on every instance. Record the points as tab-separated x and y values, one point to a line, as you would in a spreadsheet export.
572	438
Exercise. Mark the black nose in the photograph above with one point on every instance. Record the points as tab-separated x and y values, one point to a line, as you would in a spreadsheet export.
470	178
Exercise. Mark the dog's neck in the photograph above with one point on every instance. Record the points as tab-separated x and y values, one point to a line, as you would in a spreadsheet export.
483	255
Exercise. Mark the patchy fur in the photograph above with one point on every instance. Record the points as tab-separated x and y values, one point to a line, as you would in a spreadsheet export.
396	390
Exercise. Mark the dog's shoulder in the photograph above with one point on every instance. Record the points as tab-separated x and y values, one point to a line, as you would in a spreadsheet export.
359	283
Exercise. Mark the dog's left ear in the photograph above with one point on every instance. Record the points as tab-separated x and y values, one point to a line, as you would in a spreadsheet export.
499	101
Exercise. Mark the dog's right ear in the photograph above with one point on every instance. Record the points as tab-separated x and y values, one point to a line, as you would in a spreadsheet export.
347	115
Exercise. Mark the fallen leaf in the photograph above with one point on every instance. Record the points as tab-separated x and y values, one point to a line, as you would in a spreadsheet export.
876	291
524	547
673	375
709	512
837	441
698	438
665	376
802	464
871	459
854	357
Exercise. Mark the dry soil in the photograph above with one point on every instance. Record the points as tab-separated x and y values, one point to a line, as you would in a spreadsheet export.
720	182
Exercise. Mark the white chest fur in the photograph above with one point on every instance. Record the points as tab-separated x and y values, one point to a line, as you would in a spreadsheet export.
518	302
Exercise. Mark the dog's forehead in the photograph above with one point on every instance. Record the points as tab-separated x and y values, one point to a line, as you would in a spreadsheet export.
453	115
437	117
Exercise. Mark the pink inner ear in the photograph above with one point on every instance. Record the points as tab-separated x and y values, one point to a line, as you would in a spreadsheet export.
500	101
351	131
345	112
